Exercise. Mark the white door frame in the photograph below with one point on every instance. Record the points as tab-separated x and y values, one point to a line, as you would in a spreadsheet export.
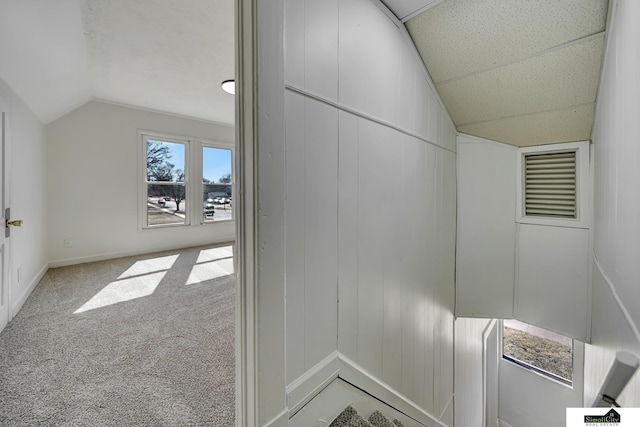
260	134
6	311
246	304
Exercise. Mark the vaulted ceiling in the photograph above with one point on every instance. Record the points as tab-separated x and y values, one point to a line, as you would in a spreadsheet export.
163	55
516	71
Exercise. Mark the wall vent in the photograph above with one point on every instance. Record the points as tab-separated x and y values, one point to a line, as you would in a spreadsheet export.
550	184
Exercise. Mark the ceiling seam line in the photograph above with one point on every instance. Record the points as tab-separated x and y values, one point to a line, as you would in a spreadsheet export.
419	11
515	61
528	114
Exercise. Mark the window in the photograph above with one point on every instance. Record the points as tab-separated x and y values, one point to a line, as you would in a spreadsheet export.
166	188
216	183
538	350
186	181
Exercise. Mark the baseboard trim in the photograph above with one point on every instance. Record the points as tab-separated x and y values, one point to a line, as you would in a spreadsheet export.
311	383
121	254
18	303
503	423
280	420
354	374
447	409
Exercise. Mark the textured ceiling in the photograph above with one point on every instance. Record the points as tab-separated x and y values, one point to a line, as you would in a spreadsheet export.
43	55
164	55
516	71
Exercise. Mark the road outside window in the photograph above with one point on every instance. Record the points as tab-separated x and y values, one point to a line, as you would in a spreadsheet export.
166	187
217	184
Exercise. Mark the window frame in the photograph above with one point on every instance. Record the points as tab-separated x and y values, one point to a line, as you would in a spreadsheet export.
583	216
537	370
200	186
193	167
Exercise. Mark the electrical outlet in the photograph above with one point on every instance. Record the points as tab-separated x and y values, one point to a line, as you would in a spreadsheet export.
67	243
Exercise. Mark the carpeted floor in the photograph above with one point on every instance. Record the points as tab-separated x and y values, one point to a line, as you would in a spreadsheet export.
137	341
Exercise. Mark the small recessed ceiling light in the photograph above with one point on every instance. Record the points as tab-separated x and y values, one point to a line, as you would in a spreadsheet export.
229	86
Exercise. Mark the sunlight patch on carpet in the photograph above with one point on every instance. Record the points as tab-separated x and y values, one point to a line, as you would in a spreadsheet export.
123	290
147	266
214	254
210	270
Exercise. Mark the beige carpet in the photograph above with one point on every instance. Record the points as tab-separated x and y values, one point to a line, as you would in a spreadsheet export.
137	341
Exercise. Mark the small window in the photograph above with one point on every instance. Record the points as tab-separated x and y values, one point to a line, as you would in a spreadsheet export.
539	350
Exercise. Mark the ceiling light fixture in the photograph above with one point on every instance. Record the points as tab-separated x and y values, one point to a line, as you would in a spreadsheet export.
229	86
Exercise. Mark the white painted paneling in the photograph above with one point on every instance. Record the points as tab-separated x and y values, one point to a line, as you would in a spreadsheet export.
295	235
617	207
485	264
432	112
369	205
615	312
348	207
376	221
611	332
407	84
368	60
445	273
94	152
321	48
469	371
491	350
429	274
553	286
425	102
321	230
396	280
522	393
294	42
311	232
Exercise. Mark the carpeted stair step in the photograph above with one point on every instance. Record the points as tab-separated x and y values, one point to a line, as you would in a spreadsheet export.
351	418
379	420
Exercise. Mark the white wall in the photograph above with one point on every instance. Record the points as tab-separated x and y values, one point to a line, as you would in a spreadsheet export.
485	260
616	291
469	367
369	211
93	184
528	399
542	269
27	170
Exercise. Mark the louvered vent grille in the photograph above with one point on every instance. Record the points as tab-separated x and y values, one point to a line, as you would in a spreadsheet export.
550	185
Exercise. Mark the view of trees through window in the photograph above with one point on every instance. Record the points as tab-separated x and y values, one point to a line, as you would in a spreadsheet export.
538	349
166	187
168	182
